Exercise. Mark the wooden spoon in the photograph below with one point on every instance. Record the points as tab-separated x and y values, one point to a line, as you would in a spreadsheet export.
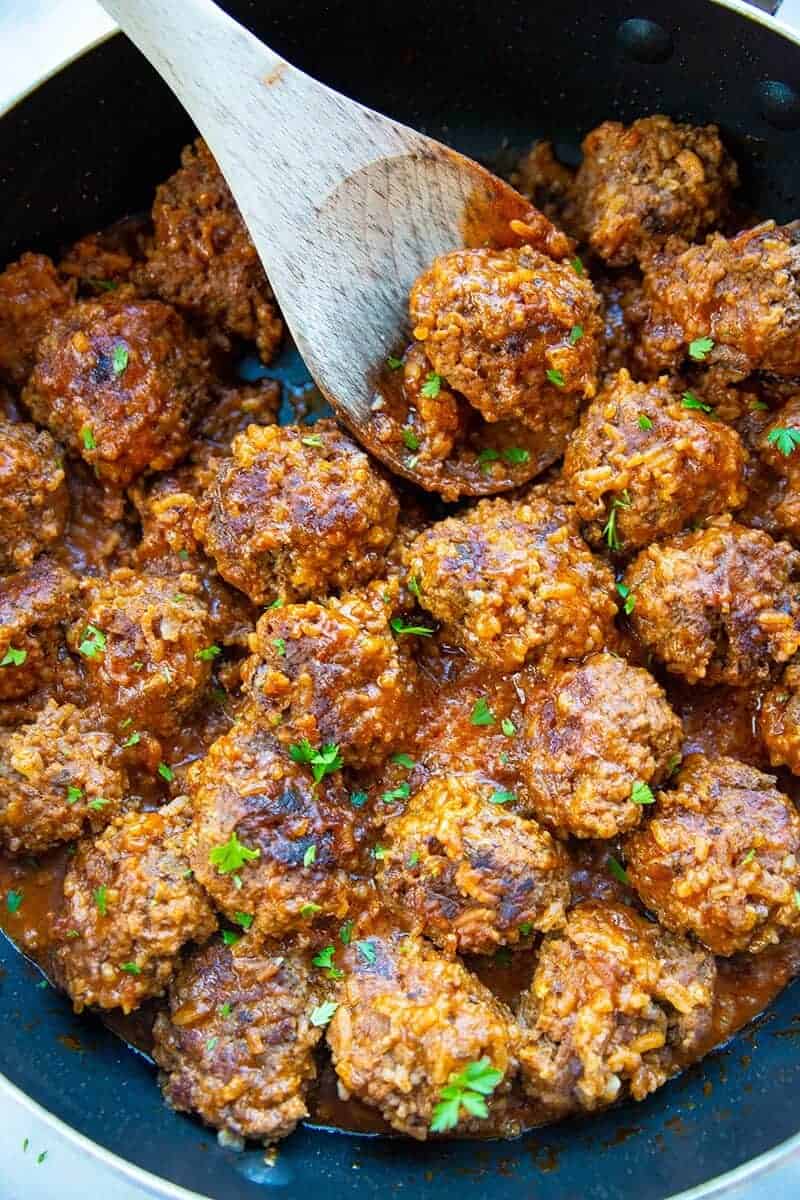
345	206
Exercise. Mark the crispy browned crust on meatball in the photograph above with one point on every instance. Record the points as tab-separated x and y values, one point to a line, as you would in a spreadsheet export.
435	422
299	838
141	639
742	292
514	582
640	183
335	673
544	180
33	494
616	1006
35	605
592	733
296	512
232	410
32	293
779	719
720	857
497	326
202	258
60	777
470	873
236	1045
102	261
407	1020
666	466
718	604
130	904
119	381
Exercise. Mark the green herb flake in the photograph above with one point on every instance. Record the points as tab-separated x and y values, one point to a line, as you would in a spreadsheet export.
310	909
481	713
358	799
119	358
225	1010
310	856
700	348
232	856
617	870
87	437
641	793
324	958
628	598
314	440
322	762
346	933
322	1014
40	1158
432	385
394	364
785	440
486	458
516	456
748	858
508	727
403	760
230	937
575	334
131	968
133	740
244	919
280	646
555	377
100	896
410	439
211	1044
14	901
94	641
644	422
13	657
466	1090
414	587
689	400
398	626
166	772
401	792
610	532
413	859
673	763
577	265
526	929
367	951
208	653
98	804
501	797
378	852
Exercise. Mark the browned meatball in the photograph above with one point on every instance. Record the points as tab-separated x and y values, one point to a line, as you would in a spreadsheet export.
471	874
514	582
720	857
268	841
641	465
102	261
35	605
407	1020
731	302
435	421
336	674
779	719
513	331
119	381
596	736
718	605
130	904
231	411
202	259
616	1007
32	293
623	313
33	494
639	184
59	777
236	1045
145	644
544	180
296	512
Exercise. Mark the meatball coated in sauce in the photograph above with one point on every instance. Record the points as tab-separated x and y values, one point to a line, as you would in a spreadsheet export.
130	904
35	605
236	1045
742	294
593	735
120	381
32	293
719	605
657	466
408	1019
59	777
145	645
336	674
468	872
616	1006
435	422
298	838
779	719
297	512
639	184
514	582
202	259
33	494
500	327
720	857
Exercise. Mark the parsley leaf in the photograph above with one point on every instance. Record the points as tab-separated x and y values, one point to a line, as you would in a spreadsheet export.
403	760
310	856
481	713
700	347
231	856
394	364
100	899
321	1015
13	657
208	653
74	794
689	400
310	909
401	792
610	527
398	626
244	919
629	598
644	422
166	772
785	440
133	740
501	797
367	951
87	437
230	937
119	358
515	455
508	727
555	377
466	1090
432	385
410	439
358	799
577	265
314	440
617	870
748	858
346	932
13	901
94	640
280	646
641	793
131	968
322	762
575	334
414	587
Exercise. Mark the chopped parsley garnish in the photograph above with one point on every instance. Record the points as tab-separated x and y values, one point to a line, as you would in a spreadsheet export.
378	852
119	358
13	657
644	422
346	933
358	799
555	377
87	437
432	385
401	792
310	909
413	858
166	772
225	1010
40	1158
501	797
526	928
324	959
486	457
403	760
481	713
183	555
689	400
414	587
314	440
508	727
673	763
322	762
74	794
617	870
700	347
394	364
133	740
276	603
367	951
641	793
230	937
211	1044
208	653
244	919
410	439
100	896
577	265
280	646
516	455
13	901
610	527
131	968
321	1015
466	1090
748	858
310	856
94	640
785	440
575	334
232	856
98	804
398	626
629	598
797	899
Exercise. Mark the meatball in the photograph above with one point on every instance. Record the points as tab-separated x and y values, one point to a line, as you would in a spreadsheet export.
335	674
202	259
641	465
33	494
435	421
35	605
232	410
472	875
32	293
734	303
516	333
595	737
544	180
514	582
719	604
236	1045
779	719
269	841
119	381
130	904
408	1019
720	857
616	1006
637	185
145	645
295	512
59	777
104	260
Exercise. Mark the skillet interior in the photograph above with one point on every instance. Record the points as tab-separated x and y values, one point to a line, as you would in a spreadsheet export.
91	144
